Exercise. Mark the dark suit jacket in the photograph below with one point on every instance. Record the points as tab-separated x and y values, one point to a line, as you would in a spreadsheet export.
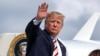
40	42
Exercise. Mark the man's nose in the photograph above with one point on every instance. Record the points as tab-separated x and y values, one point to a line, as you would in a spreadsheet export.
55	24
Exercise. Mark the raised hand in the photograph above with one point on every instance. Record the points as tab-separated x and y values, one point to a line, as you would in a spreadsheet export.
42	11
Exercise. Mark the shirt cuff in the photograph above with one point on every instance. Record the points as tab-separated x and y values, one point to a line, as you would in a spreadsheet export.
36	22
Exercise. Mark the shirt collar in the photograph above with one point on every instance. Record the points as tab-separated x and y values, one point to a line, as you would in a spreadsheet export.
54	37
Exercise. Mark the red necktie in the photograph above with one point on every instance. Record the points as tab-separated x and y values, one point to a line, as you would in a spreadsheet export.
55	51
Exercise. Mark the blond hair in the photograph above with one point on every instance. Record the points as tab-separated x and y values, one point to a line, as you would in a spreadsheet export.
55	13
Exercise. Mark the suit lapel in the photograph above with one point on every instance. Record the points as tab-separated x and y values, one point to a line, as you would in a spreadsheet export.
50	40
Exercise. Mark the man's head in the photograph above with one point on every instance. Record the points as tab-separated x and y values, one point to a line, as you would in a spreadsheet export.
22	48
54	23
95	53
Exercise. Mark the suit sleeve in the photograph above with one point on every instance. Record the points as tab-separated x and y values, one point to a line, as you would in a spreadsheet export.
32	29
31	32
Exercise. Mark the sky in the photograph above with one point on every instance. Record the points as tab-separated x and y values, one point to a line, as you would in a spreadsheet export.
15	15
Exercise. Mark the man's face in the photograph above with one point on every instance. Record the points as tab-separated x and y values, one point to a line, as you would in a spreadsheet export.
54	24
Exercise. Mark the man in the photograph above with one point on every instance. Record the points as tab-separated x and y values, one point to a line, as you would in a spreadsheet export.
95	53
45	42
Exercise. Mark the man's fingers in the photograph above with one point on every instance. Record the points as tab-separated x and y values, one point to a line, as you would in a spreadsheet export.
43	7
39	8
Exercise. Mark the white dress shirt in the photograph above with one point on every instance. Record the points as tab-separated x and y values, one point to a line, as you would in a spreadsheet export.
59	49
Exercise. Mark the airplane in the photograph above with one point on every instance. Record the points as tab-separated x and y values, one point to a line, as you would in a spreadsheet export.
80	45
